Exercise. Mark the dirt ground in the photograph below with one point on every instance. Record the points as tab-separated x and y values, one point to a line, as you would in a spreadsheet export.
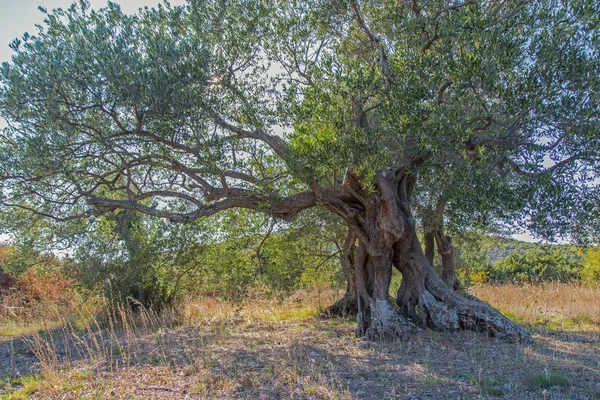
227	357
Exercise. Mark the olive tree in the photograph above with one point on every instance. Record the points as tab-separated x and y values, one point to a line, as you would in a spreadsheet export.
184	112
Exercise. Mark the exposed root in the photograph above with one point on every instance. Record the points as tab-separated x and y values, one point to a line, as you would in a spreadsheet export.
484	318
342	308
439	316
387	324
447	310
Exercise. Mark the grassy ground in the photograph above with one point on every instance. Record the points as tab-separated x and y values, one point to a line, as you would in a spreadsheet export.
551	306
284	351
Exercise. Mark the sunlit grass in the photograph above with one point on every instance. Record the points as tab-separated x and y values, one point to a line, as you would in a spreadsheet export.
567	307
302	305
546	380
23	387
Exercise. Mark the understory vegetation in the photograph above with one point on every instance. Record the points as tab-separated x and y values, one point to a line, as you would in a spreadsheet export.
125	260
498	260
145	262
65	332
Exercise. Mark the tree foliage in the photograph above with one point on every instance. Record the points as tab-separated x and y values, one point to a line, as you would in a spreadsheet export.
175	111
543	264
151	261
590	275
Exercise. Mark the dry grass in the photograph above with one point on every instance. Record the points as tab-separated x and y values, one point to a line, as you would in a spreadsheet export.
269	350
553	306
302	304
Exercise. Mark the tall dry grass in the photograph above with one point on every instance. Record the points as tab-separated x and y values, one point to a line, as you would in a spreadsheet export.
112	338
127	334
551	305
302	304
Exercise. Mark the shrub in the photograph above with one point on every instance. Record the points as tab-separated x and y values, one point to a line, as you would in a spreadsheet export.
540	264
44	296
590	274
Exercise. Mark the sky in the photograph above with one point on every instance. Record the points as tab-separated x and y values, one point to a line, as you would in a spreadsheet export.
20	16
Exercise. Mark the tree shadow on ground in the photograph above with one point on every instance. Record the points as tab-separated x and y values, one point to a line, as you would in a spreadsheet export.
231	358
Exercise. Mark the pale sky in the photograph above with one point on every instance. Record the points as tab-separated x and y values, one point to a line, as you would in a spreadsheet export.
20	16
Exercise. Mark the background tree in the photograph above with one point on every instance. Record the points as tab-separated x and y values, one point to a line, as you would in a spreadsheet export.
128	257
184	112
136	260
470	197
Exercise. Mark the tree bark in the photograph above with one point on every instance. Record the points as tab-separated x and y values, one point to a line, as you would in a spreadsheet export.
429	243
377	319
437	306
381	218
373	215
446	251
433	228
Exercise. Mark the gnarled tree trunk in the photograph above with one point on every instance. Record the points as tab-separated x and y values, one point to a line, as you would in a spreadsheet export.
433	232
381	218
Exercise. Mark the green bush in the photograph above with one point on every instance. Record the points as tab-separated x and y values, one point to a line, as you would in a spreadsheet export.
154	262
127	257
590	274
540	264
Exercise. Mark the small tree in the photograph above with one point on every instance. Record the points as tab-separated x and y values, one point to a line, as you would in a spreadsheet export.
128	257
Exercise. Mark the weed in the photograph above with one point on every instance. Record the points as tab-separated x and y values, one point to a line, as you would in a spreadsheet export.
23	387
546	380
431	380
491	386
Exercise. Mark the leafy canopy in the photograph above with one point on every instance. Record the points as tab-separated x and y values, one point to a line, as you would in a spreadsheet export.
183	112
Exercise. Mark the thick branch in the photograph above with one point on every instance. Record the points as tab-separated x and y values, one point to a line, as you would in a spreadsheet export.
286	208
519	170
442	89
